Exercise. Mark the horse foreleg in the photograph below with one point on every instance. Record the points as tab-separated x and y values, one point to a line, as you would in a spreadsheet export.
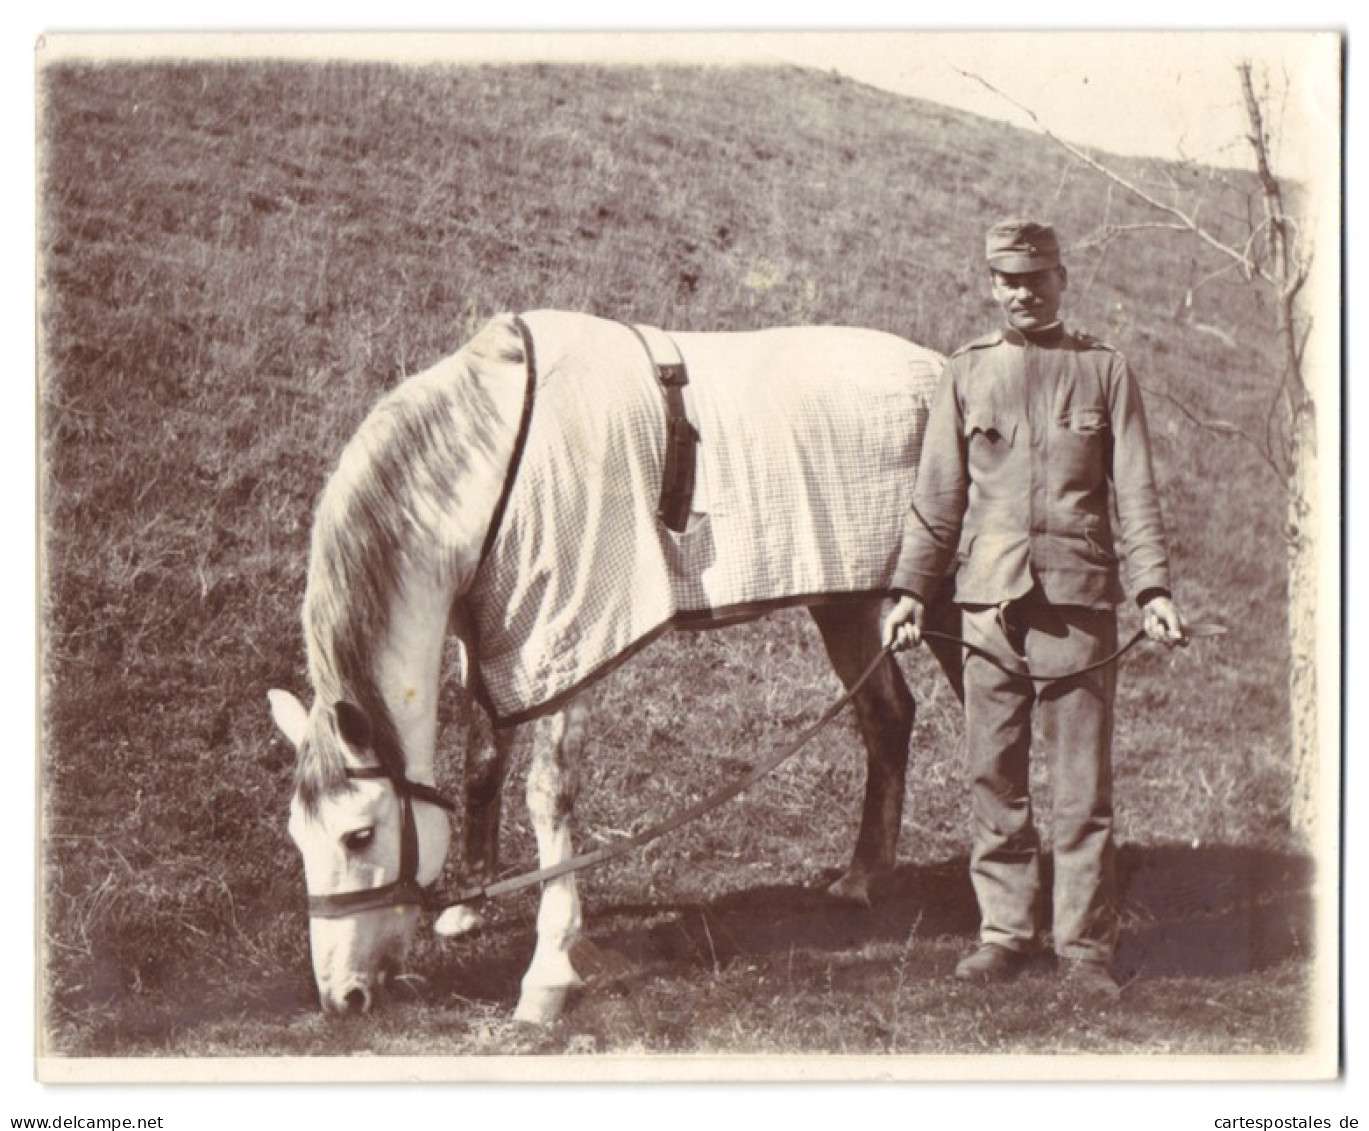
885	712
488	753
487	765
557	744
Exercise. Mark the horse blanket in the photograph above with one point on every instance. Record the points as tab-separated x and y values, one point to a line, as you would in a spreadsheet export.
809	441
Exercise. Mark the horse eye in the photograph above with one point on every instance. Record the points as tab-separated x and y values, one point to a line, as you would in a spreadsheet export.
359	840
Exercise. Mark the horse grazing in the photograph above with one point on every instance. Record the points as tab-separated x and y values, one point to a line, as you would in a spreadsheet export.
557	494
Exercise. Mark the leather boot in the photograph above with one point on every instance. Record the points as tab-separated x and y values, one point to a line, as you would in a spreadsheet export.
990	963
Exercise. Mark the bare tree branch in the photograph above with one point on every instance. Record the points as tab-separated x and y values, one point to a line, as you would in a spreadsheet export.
1210	277
1106	233
1218	427
1184	222
1273	195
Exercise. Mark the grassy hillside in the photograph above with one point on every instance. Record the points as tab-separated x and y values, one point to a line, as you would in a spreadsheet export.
237	259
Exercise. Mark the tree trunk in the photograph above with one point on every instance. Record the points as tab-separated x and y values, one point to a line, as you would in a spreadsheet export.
1304	524
1286	271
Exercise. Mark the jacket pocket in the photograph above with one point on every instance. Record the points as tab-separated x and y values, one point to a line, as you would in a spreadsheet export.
1080	448
1085	421
989	426
1100	542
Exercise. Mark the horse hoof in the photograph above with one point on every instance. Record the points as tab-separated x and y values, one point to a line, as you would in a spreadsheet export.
542	1005
850	889
458	920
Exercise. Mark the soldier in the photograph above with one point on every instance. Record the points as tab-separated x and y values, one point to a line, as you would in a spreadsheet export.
1029	427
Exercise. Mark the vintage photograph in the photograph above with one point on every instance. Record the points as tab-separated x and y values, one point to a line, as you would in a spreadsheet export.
689	556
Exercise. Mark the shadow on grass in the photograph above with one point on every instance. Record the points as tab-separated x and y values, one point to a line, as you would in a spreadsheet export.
1204	913
1213	911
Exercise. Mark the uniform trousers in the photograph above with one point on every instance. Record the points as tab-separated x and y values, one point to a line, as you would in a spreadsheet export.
1075	717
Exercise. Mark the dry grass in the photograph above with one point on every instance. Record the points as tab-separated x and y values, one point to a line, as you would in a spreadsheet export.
237	259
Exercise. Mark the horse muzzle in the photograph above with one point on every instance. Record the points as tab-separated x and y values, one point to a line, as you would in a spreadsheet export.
356	961
356	994
354	1000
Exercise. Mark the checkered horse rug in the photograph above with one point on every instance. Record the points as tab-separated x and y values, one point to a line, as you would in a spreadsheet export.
808	446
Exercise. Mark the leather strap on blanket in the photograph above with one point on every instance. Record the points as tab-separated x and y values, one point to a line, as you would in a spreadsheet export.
682	438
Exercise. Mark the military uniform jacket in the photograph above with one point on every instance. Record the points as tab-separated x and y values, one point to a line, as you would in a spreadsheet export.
1026	436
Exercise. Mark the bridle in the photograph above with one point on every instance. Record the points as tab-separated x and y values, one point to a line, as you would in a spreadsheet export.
406	891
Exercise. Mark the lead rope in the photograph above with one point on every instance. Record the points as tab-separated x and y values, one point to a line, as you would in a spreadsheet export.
984	653
719	797
1191	632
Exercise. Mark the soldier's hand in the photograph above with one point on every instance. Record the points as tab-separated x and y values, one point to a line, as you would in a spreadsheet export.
1163	623
903	624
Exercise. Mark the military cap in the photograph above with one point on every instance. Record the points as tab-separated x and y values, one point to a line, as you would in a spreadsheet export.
1016	247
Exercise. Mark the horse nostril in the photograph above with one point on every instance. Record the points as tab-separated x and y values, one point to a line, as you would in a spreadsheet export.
356	1000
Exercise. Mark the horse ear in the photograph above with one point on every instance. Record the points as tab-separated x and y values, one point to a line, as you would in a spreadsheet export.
353	727
289	714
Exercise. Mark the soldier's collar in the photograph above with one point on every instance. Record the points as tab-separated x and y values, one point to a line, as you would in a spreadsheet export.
1047	335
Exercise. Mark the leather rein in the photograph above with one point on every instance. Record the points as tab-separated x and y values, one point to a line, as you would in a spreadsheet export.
407	891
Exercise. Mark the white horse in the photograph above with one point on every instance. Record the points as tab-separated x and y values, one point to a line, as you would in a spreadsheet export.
421	533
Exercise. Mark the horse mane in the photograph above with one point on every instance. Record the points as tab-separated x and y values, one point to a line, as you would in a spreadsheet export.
390	509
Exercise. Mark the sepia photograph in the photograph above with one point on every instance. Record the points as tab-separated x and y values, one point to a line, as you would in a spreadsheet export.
689	557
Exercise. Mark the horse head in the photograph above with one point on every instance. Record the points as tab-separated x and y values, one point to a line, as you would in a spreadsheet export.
371	841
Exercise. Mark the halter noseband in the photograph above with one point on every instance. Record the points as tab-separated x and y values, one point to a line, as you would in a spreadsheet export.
405	891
